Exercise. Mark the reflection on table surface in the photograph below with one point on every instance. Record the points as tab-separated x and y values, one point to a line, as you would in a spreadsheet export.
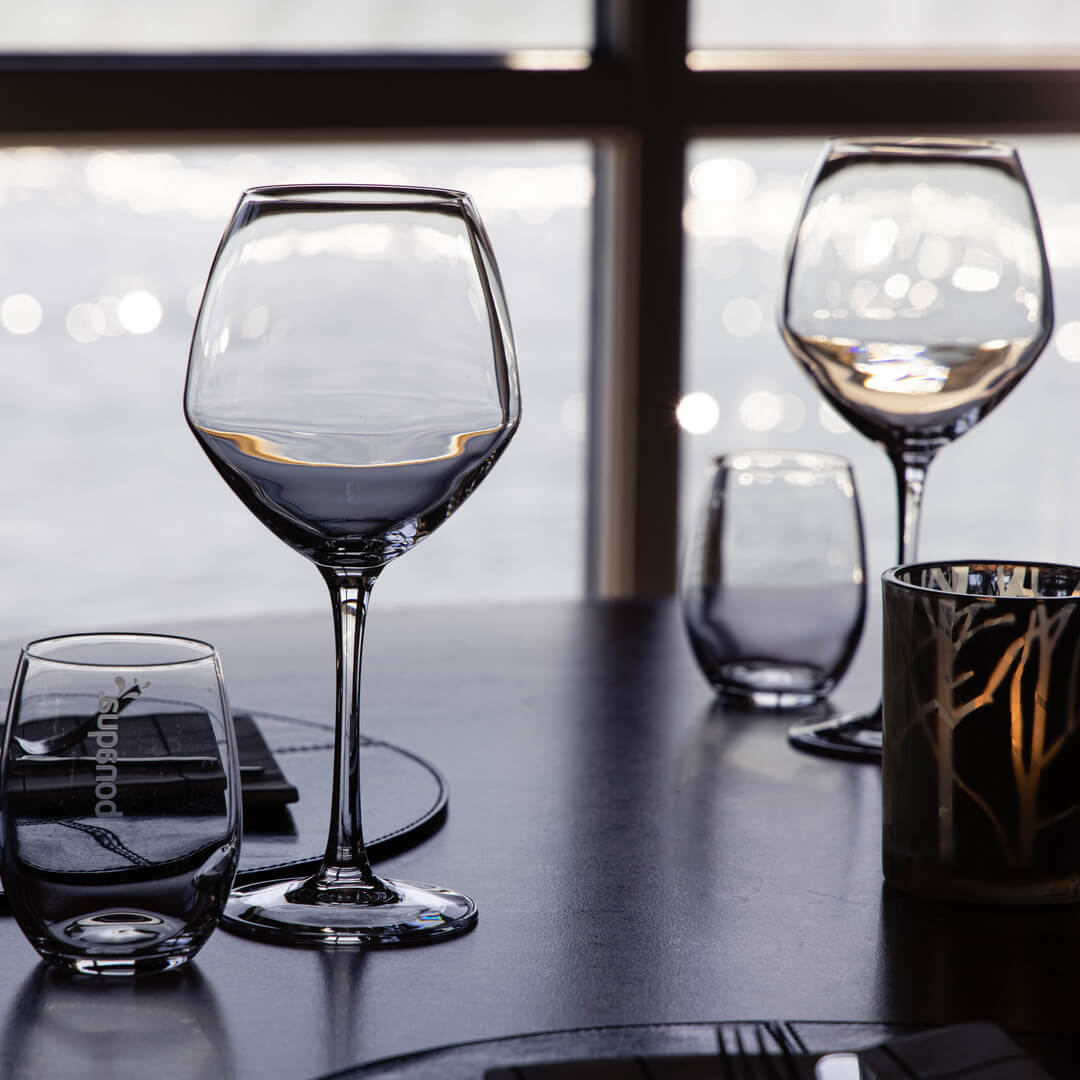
65	1025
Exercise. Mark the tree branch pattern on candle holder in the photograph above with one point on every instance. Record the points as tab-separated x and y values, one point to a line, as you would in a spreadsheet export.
980	755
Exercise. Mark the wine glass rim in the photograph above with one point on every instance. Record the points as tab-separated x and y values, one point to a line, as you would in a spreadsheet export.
53	649
355	195
928	146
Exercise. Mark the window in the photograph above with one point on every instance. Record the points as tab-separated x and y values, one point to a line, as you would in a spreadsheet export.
617	132
294	26
854	24
999	488
105	252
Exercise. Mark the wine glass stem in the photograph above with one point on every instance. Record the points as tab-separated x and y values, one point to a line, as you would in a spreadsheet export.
346	865
911	466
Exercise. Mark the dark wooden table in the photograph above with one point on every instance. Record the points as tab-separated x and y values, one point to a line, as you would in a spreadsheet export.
639	856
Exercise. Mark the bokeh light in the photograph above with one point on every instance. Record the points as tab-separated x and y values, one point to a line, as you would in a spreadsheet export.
139	312
742	317
761	410
697	413
20	313
86	323
1067	342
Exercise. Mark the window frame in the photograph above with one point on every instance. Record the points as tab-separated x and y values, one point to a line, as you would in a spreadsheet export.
640	104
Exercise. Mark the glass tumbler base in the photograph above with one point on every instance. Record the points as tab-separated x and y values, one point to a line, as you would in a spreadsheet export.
117	967
418	914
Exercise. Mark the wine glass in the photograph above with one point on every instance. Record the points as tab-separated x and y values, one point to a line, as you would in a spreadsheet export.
917	296
352	377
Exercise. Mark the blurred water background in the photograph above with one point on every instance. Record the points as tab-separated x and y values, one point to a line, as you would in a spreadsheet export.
112	516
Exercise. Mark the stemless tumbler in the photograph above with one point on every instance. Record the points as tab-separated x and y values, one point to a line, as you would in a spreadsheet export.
773	587
120	800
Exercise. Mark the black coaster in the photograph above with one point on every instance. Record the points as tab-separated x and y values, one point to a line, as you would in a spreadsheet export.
404	797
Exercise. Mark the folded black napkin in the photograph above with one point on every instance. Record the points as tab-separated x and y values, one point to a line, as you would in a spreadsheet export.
977	1051
170	763
261	780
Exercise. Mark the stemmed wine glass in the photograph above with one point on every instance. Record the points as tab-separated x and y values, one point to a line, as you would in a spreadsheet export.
917	296
352	378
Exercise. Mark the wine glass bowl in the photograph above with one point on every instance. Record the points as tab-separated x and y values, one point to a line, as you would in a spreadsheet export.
917	296
918	291
345	378
352	378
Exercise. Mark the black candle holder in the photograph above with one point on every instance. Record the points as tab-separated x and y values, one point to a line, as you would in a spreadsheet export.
981	752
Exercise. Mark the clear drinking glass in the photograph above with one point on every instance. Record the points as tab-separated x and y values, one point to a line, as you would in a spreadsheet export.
917	296
352	377
120	800
773	582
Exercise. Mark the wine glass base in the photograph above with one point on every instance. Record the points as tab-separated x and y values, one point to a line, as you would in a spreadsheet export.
418	914
851	736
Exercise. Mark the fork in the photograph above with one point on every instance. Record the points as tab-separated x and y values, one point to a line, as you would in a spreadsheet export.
766	1054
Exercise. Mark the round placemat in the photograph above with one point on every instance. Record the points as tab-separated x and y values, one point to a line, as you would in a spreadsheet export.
404	800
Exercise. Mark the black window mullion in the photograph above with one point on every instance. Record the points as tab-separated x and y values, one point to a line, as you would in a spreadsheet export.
637	316
831	100
211	94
